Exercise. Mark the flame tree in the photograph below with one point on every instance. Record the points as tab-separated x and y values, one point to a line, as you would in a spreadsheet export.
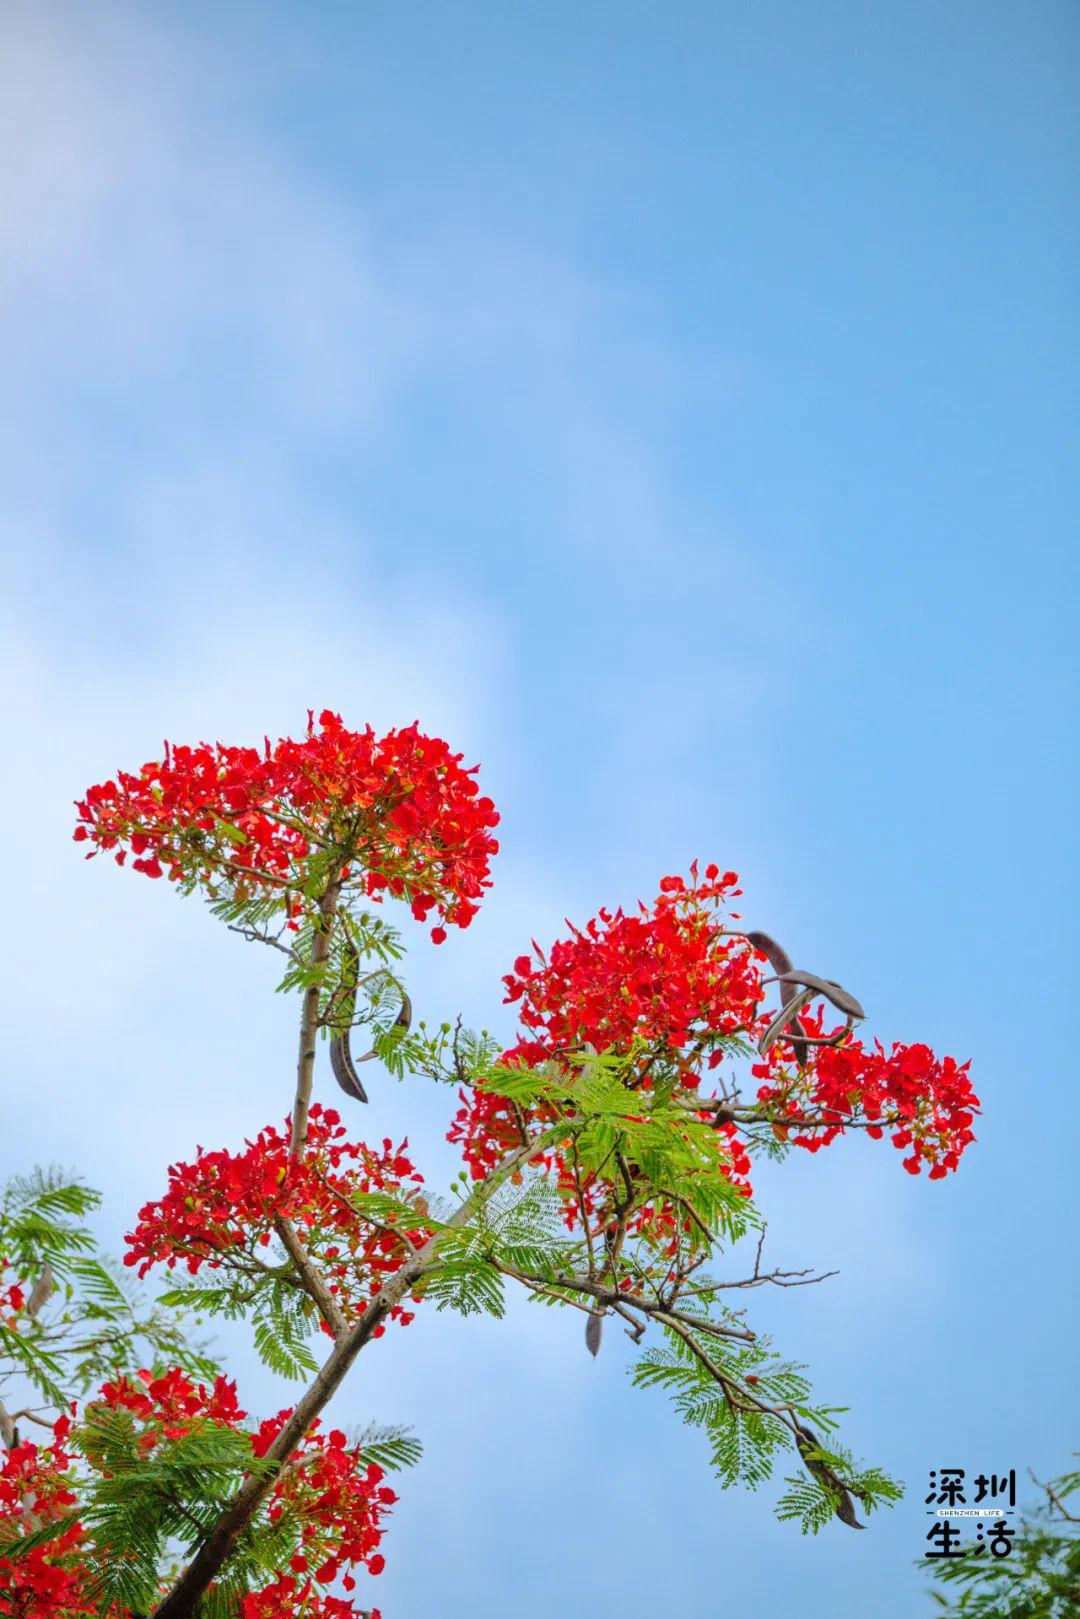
606	1163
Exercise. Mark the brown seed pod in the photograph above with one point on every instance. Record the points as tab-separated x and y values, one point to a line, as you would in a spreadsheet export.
780	962
41	1291
342	1006
840	997
594	1326
788	1014
793	983
808	1442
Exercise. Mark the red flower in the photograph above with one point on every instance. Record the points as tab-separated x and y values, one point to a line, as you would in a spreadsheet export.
926	1102
664	985
667	977
400	808
36	1488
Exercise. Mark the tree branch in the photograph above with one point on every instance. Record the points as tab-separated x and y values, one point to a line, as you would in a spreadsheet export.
309	1018
314	1285
613	1296
220	1542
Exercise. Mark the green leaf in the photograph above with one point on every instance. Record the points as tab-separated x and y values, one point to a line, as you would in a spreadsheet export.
392	1448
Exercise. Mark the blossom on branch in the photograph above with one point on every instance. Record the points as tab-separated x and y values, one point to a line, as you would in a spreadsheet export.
925	1103
666	977
224	1209
669	986
399	808
609	1148
675	988
36	1490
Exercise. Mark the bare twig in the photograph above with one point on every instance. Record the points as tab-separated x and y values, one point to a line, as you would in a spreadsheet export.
262	937
615	1297
26	1415
1054	1498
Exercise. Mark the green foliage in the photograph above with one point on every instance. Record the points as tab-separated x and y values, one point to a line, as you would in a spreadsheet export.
15	1546
94	1319
141	1511
146	1513
524	1229
1039	1579
761	1141
281	1324
808	1502
727	1389
454	1056
376	942
392	1448
282	1317
259	915
743	1440
519	1229
675	1154
465	1280
738	1391
257	911
811	1502
138	1507
40	1222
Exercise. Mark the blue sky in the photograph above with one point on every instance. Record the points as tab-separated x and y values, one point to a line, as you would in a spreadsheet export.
674	408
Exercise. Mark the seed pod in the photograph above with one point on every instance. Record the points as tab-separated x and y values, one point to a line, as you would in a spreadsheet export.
343	1005
594	1326
780	962
841	998
808	1442
788	1014
41	1292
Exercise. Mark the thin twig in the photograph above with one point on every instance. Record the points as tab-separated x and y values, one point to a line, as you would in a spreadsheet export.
1055	1499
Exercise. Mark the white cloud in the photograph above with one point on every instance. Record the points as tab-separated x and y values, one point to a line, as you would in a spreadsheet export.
138	223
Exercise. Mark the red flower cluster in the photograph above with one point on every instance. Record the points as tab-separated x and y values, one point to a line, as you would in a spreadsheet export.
289	1596
335	1499
400	807
488	1127
666	978
663	985
35	1490
222	1209
170	1405
665	982
925	1102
